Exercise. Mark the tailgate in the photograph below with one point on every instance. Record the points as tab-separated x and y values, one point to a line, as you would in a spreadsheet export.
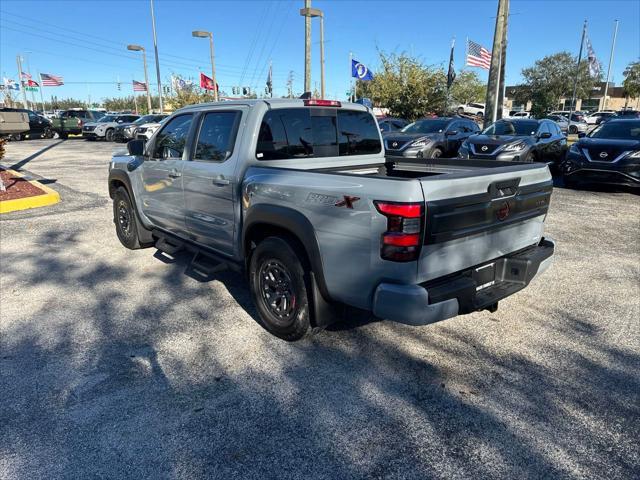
473	218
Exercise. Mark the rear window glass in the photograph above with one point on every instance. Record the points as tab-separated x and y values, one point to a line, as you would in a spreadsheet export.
315	133
216	136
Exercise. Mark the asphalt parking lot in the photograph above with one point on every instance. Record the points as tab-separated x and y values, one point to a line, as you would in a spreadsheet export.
118	364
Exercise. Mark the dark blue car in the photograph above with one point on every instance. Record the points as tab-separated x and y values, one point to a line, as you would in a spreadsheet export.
610	154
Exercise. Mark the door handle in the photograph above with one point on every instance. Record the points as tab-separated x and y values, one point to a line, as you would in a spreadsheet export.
220	181
174	174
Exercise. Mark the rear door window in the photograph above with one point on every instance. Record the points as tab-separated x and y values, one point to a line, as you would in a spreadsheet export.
217	136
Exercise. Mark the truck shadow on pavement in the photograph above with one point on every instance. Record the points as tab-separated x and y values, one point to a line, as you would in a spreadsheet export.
22	163
114	370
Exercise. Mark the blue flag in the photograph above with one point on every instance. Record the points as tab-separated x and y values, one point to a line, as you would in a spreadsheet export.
360	71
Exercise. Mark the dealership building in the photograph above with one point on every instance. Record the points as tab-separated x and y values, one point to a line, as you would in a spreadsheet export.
595	101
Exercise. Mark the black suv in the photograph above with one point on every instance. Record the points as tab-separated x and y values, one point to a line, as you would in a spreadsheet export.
39	126
518	140
609	154
429	138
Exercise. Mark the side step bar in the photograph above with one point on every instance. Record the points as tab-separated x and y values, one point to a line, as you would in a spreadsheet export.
204	261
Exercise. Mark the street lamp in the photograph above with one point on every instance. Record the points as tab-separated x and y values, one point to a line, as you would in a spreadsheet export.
312	13
204	34
138	48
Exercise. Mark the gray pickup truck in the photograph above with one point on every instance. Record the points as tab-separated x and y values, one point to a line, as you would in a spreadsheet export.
298	194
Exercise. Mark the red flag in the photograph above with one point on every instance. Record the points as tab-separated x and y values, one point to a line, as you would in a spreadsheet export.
207	83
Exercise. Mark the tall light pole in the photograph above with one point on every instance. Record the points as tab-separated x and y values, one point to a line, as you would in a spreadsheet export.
307	44
309	13
21	83
155	47
204	34
606	85
493	110
139	48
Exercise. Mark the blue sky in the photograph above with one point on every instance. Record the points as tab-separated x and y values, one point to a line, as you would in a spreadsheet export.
85	41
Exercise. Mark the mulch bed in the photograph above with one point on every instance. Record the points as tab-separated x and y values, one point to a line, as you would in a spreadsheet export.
17	187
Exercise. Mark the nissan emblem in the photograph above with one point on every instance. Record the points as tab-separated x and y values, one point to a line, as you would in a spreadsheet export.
484	148
604	154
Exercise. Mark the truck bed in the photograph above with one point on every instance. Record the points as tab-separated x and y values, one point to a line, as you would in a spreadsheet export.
420	168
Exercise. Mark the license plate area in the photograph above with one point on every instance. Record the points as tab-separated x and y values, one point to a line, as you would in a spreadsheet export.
484	276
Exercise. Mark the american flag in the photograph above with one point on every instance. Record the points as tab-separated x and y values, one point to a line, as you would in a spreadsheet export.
477	55
26	76
139	86
51	80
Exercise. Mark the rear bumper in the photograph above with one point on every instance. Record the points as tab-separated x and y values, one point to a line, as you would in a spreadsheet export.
458	294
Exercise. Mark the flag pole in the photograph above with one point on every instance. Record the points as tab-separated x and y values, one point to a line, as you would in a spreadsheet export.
575	80
351	77
613	47
40	87
446	98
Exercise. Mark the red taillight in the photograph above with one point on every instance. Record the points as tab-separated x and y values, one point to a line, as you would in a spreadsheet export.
408	210
401	242
401	239
315	102
79	123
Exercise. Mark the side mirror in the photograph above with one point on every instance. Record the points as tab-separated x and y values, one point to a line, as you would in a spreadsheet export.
136	147
545	135
581	134
451	132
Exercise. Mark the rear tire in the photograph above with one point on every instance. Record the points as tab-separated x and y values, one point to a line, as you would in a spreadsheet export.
63	136
460	111
279	288
573	129
124	216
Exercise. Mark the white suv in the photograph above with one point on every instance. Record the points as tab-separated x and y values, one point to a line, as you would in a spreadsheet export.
595	117
471	109
105	127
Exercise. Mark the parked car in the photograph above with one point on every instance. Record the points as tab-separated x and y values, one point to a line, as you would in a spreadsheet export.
127	131
391	124
628	113
596	118
561	121
13	123
70	122
429	138
517	140
146	130
39	126
569	127
610	154
514	114
298	194
471	109
577	124
105	127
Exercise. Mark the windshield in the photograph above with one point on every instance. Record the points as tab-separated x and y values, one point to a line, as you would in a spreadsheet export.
426	126
107	118
145	119
623	130
502	127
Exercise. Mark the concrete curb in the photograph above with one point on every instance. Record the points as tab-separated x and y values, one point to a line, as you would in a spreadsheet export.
50	197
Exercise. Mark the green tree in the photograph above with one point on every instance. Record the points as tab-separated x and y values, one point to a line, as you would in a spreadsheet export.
468	87
631	83
550	79
404	85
